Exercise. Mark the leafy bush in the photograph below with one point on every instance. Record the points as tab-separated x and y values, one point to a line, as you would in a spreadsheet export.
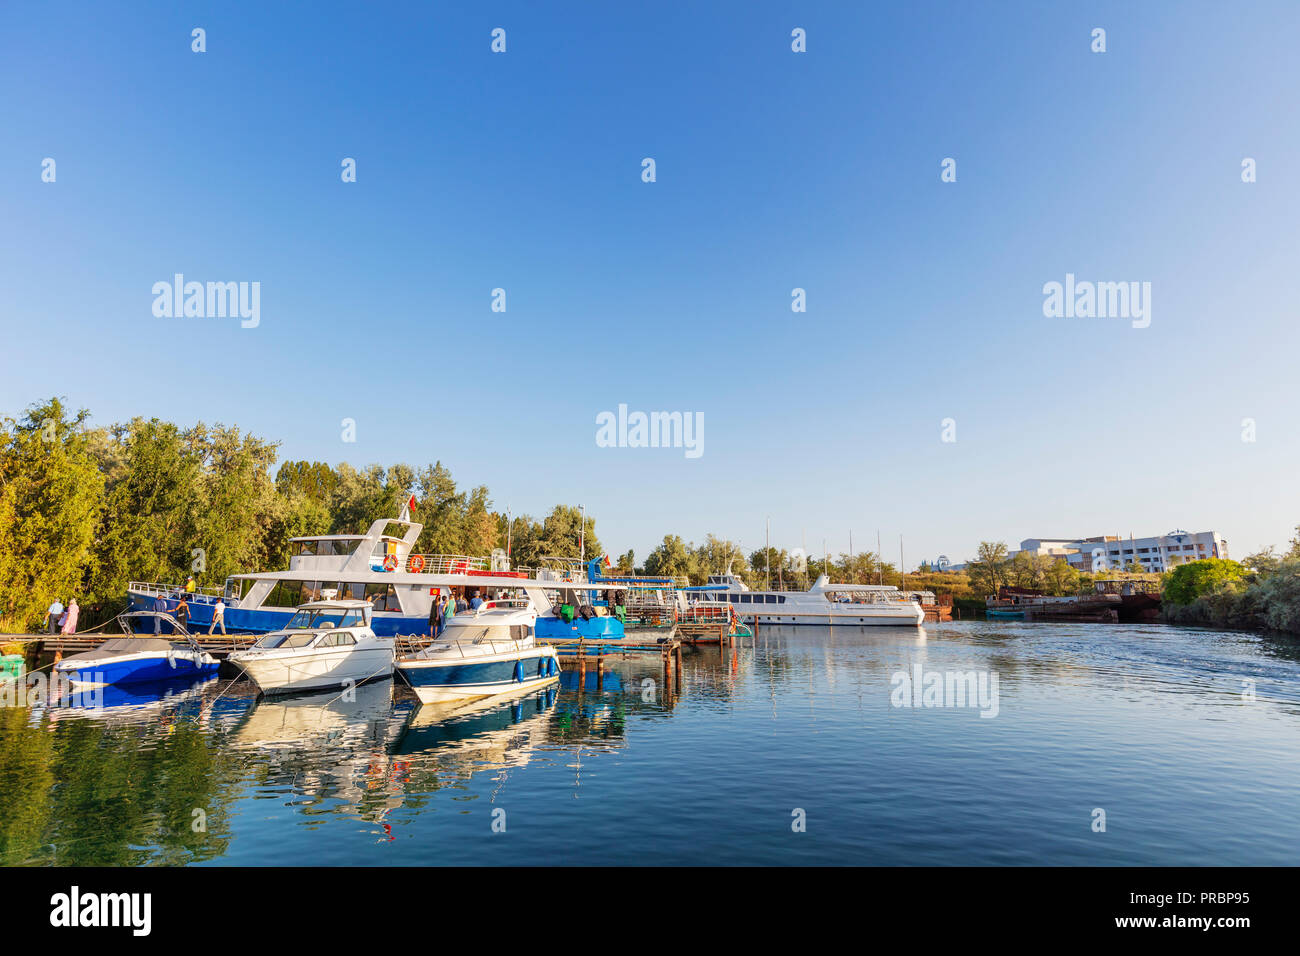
1195	579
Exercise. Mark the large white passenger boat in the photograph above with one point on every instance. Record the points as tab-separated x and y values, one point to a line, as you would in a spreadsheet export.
384	570
823	603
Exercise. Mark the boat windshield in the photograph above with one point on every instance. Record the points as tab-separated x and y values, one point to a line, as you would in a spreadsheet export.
481	634
289	639
323	617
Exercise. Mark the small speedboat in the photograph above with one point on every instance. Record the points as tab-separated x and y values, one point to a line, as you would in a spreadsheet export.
490	651
133	660
326	643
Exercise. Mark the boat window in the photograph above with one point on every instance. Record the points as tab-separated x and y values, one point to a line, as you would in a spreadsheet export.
284	594
294	639
479	633
382	597
342	548
340	639
320	617
310	592
306	548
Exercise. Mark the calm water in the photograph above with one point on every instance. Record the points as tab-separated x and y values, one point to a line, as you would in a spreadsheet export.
1148	723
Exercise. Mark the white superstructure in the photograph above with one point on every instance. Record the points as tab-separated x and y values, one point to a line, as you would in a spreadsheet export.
823	603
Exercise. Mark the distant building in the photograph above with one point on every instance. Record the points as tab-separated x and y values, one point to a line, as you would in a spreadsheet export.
1113	552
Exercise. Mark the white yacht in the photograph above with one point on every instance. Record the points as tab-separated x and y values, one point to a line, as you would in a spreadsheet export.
326	643
822	604
384	570
492	650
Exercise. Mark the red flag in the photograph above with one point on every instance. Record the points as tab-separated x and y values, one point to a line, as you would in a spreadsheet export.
410	505
608	563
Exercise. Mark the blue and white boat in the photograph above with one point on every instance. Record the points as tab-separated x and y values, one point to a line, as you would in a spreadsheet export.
490	651
133	660
400	585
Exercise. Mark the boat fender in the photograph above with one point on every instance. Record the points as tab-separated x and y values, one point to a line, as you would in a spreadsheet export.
519	671
541	667
171	658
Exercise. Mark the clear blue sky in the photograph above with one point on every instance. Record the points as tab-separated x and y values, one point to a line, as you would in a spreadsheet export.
775	170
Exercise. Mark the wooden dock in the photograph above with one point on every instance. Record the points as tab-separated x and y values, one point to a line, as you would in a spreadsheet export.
218	645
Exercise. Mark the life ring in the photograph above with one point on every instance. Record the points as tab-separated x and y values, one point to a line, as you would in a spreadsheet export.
416	562
390	563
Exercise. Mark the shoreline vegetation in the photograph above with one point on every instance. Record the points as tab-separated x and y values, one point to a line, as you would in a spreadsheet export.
84	510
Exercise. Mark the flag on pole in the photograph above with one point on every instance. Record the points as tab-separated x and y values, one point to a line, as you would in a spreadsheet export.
406	509
608	563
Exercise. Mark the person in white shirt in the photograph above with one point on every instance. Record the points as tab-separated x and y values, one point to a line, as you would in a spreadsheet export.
52	616
218	616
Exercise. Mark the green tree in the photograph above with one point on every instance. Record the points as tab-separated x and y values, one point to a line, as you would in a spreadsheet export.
988	570
670	559
1061	579
50	498
1194	579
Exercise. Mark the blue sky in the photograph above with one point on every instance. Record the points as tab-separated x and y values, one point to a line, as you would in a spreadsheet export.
775	170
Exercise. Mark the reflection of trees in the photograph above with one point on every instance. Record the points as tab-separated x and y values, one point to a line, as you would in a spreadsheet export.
26	777
123	789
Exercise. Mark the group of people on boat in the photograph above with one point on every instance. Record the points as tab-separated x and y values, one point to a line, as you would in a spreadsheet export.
445	607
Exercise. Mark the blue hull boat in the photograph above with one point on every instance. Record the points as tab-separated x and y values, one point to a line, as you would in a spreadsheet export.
133	660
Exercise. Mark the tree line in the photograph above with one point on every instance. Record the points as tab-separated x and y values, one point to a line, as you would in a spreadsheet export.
84	510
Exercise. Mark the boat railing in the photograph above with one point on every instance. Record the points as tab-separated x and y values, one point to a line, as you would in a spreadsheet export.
506	603
705	613
447	564
201	595
415	645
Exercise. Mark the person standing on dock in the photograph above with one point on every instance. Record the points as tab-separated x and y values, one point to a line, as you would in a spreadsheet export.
448	609
70	617
52	616
218	617
159	607
183	614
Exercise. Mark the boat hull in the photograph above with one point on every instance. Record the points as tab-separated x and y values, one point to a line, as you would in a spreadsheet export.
885	617
320	670
136	669
265	620
437	681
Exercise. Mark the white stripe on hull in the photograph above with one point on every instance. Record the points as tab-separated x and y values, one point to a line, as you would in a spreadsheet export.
445	692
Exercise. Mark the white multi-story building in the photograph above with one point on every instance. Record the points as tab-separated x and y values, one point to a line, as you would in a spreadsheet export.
1113	552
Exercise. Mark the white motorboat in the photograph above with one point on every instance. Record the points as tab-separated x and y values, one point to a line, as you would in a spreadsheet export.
327	643
822	604
490	651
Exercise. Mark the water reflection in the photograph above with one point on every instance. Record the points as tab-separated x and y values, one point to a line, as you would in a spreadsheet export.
748	727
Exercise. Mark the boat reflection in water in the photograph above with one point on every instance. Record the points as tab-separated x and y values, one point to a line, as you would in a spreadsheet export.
145	701
493	733
329	750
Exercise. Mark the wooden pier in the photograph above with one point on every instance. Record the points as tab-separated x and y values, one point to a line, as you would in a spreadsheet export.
218	645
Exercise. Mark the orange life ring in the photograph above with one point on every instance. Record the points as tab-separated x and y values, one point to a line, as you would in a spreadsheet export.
390	563
417	562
